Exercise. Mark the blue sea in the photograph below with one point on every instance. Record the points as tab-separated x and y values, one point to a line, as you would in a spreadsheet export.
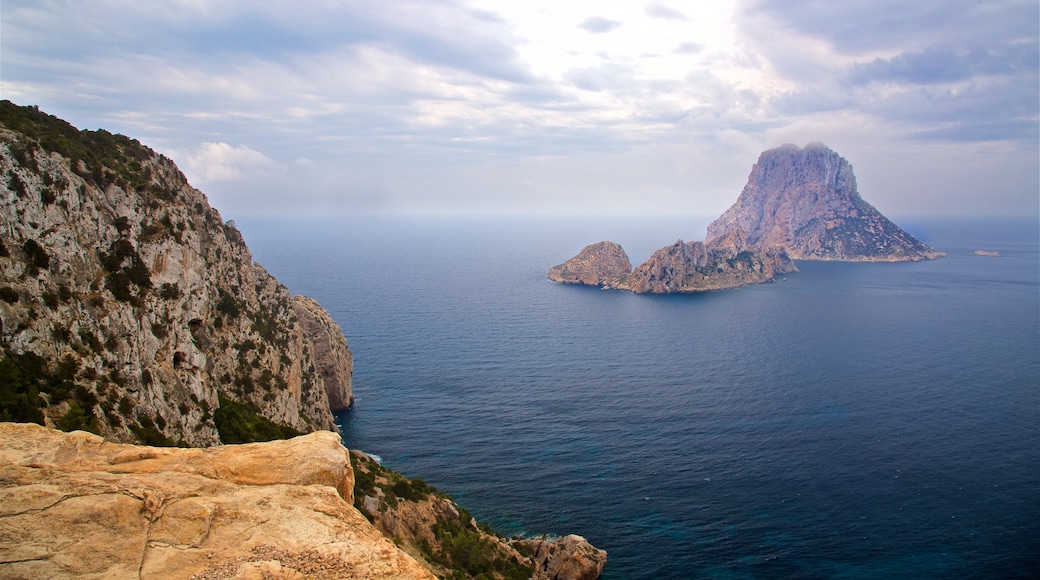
849	421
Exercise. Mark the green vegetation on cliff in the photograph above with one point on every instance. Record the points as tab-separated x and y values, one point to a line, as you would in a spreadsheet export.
441	532
99	157
239	422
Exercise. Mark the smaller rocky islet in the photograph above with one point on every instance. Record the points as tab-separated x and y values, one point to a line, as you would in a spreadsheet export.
798	204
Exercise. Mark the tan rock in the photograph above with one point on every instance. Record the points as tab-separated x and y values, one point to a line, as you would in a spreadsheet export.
570	558
74	506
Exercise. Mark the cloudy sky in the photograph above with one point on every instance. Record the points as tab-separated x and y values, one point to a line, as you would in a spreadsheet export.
545	105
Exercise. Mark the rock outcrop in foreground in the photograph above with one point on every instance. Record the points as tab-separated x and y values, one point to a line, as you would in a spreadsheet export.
75	506
681	267
129	308
806	201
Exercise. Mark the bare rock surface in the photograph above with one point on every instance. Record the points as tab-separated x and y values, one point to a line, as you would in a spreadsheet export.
807	201
602	264
75	506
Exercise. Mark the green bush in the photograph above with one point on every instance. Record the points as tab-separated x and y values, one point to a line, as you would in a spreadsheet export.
241	422
76	419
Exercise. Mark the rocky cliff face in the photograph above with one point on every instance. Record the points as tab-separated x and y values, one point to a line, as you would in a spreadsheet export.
806	201
682	267
131	309
333	359
75	506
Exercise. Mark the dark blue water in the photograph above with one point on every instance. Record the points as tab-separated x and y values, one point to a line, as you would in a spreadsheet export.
852	421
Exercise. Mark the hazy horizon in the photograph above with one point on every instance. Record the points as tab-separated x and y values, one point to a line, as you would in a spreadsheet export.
487	107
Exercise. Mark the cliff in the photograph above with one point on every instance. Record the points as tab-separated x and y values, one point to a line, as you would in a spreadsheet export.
806	201
129	308
682	267
75	506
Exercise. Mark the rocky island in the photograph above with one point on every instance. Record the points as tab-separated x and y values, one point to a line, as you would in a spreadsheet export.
806	201
131	313
681	267
798	204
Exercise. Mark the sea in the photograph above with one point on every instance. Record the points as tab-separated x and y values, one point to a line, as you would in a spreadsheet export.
850	420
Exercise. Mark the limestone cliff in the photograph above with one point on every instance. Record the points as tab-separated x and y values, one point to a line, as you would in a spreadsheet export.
682	267
131	309
806	201
436	531
333	359
75	506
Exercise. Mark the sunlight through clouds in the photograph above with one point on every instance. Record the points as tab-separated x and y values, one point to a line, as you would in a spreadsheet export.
414	100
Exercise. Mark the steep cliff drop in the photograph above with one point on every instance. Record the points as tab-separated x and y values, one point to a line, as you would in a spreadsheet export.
806	201
131	309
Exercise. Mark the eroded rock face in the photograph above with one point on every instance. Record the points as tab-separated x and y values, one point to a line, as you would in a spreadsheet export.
806	201
602	264
334	361
114	265
75	506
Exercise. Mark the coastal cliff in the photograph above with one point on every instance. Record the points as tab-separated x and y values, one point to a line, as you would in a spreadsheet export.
131	309
807	201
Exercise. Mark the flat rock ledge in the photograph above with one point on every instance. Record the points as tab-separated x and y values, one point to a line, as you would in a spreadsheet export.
75	506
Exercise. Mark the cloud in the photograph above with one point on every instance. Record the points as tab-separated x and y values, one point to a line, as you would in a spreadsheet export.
599	25
689	48
222	162
352	103
946	63
662	11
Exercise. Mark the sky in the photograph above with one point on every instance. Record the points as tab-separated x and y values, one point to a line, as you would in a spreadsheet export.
545	106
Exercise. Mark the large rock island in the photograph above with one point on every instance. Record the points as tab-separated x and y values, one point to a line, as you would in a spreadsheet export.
806	201
800	204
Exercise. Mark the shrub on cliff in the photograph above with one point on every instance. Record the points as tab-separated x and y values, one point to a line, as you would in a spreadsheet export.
240	422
